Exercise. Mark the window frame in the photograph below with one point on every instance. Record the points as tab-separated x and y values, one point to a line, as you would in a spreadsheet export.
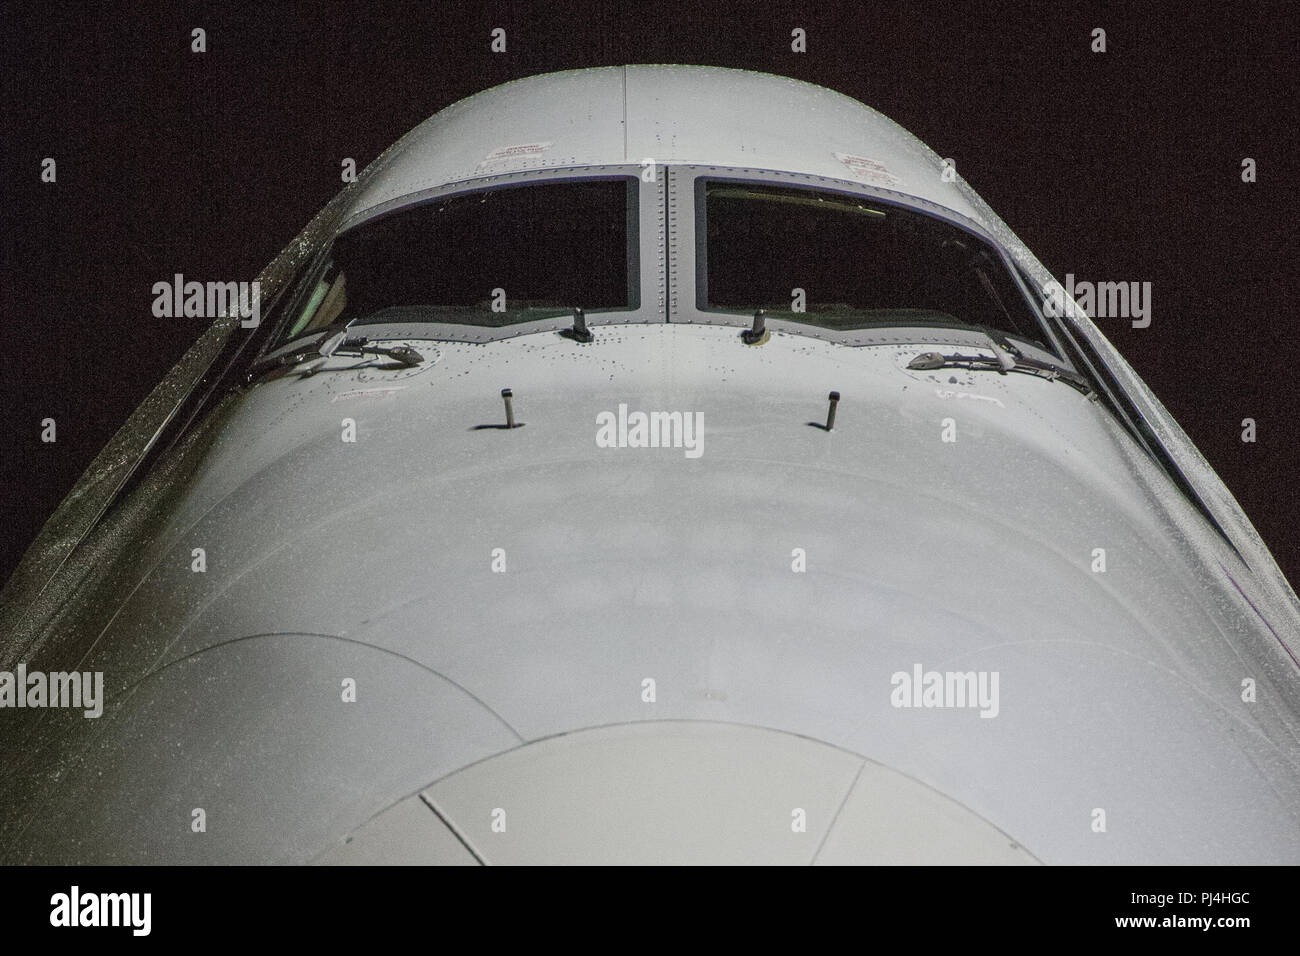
688	231
645	259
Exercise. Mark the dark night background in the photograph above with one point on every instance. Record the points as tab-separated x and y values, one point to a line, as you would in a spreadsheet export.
1122	166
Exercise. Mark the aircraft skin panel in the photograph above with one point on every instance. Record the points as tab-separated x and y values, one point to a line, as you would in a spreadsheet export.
677	793
659	793
890	820
406	834
623	564
735	118
658	114
257	735
496	132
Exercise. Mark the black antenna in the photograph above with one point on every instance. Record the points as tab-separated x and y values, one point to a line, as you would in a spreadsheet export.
507	395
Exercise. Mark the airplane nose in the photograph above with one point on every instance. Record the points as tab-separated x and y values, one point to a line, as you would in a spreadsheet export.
678	792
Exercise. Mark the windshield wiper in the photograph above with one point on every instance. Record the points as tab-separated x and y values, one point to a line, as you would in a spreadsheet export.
1005	358
333	341
359	347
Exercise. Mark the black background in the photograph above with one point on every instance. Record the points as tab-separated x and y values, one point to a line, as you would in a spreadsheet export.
344	907
1122	166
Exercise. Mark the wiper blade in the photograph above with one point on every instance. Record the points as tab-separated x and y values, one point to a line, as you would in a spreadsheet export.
359	347
334	341
1005	358
932	360
322	347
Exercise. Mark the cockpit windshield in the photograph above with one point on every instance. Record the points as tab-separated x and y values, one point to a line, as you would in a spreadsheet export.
493	257
844	262
512	254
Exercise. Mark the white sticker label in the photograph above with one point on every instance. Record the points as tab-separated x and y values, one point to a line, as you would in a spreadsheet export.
949	393
518	151
868	169
389	391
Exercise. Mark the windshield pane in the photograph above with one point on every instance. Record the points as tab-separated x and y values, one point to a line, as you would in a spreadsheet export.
860	263
546	246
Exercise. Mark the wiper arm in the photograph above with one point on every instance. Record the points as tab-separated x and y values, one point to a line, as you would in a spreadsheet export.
406	356
1005	358
325	345
334	341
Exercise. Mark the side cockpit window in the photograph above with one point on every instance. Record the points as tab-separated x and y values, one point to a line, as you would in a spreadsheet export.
327	301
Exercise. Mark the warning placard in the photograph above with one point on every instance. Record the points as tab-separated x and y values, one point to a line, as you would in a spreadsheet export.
518	151
868	169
